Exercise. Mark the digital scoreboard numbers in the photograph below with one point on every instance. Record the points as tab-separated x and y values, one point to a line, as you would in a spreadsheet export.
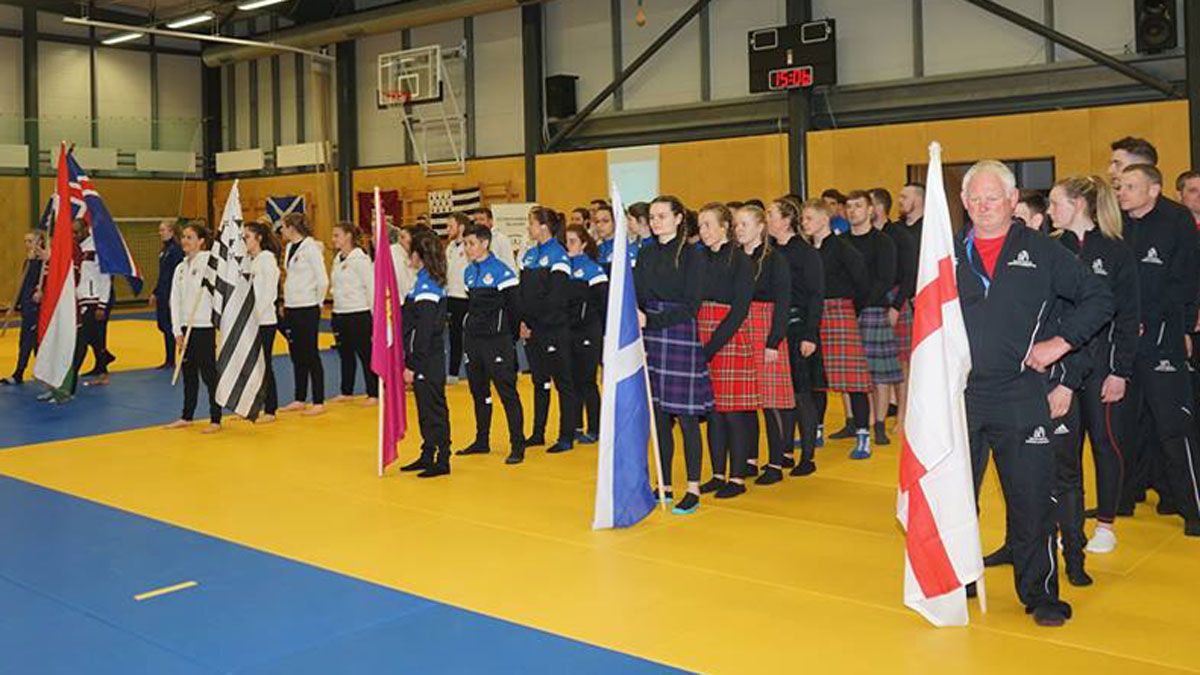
798	56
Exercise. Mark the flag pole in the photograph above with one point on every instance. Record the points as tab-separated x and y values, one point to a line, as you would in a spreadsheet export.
381	248
662	494
187	336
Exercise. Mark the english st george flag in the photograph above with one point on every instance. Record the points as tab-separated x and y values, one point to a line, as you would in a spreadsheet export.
936	502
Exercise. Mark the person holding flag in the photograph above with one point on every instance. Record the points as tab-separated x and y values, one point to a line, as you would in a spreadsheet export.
192	323
424	321
1008	278
387	347
56	321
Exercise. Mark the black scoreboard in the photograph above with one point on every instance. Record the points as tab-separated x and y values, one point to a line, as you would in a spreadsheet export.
793	57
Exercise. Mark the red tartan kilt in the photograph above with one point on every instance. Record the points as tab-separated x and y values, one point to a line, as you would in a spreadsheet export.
842	349
732	368
775	388
904	332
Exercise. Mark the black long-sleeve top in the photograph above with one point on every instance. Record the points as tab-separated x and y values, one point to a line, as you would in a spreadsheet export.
587	296
808	289
1164	244
773	284
1007	312
423	317
168	259
845	269
728	279
29	283
1113	349
545	273
906	262
879	253
669	272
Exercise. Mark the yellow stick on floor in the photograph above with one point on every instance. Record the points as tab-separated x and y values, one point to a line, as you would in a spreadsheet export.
164	590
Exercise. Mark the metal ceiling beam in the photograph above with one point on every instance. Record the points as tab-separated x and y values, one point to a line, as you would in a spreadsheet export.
266	47
625	74
1078	47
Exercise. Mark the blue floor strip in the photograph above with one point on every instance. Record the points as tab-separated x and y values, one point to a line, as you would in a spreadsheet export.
69	569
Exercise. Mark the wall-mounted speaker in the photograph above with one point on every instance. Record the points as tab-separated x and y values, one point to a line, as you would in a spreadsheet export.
1156	25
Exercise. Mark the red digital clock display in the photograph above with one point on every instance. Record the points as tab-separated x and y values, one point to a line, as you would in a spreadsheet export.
790	78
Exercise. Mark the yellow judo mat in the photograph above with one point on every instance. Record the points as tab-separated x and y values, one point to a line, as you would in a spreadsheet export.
803	575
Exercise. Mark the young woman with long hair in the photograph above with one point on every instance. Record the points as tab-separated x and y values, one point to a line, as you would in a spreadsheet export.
668	301
586	304
767	325
352	283
170	254
728	288
263	249
804	323
303	294
424	323
191	307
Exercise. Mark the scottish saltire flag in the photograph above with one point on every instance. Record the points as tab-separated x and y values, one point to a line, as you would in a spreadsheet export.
56	319
241	369
622	477
387	348
936	501
111	251
278	207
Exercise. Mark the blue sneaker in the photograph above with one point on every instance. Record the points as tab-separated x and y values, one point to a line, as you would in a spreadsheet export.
862	449
820	436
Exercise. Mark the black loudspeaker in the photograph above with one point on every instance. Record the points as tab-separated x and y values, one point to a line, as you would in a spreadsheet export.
560	97
1156	25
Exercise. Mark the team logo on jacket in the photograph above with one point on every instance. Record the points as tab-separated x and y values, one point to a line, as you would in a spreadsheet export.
1038	437
488	279
1098	267
579	273
1152	257
1165	366
545	260
1061	430
1022	260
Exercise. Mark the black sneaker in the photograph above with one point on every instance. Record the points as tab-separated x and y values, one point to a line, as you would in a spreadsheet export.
666	495
788	462
730	490
770	476
474	449
535	441
893	410
515	457
881	437
687	505
559	447
843	433
1077	576
712	485
1001	556
1051	614
751	470
1191	528
421	464
806	467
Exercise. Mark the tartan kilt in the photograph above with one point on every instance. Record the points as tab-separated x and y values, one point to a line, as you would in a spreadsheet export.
842	349
774	380
679	382
904	332
879	345
732	368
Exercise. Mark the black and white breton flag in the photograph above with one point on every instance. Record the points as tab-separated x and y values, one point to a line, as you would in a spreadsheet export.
444	202
240	365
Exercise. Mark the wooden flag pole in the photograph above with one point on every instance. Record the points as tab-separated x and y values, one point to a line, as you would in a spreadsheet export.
187	336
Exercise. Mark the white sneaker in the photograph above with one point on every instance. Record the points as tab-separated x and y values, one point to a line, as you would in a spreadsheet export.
1103	540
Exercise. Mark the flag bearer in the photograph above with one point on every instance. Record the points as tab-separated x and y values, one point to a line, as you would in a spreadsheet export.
29	299
192	306
424	323
263	249
1008	278
487	339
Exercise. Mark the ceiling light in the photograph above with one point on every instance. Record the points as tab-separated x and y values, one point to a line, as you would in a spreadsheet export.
191	20
257	4
122	37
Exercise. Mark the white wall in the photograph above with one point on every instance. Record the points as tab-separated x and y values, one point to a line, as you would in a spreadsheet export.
287	99
1106	25
241	99
874	38
578	37
64	94
499	99
961	37
672	77
179	103
266	125
729	26
380	139
12	99
123	99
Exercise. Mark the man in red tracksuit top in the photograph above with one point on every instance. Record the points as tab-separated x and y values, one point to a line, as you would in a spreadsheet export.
1010	279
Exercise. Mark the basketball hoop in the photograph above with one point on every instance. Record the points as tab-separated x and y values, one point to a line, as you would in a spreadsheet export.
397	97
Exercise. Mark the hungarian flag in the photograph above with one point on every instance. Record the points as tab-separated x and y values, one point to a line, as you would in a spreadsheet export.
936	504
56	321
387	349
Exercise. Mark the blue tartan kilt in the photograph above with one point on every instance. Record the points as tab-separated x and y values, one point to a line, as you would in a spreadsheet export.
679	381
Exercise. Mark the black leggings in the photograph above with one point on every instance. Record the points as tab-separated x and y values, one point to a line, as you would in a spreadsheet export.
28	343
693	448
353	333
303	323
200	362
779	423
549	360
806	416
585	360
730	436
86	336
860	408
456	314
266	338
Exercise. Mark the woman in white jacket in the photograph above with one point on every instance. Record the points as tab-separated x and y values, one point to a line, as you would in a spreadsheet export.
191	306
263	248
303	293
352	281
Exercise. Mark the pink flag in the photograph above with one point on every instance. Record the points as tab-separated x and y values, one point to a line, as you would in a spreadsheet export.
387	347
936	504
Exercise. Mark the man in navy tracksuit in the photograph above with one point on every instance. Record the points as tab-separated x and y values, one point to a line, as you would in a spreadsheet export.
491	310
1163	238
1010	278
